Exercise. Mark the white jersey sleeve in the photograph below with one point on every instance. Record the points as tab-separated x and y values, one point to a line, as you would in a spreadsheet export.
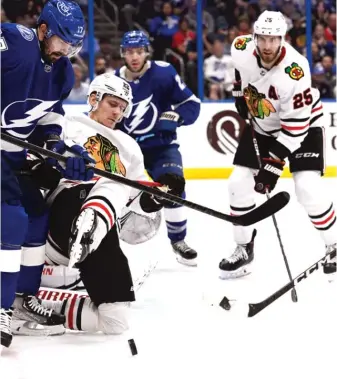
296	100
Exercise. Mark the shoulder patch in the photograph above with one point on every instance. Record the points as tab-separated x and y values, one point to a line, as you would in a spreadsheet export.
26	33
241	43
294	71
161	63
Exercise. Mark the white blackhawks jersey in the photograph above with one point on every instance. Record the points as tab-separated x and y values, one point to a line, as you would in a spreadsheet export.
281	100
114	151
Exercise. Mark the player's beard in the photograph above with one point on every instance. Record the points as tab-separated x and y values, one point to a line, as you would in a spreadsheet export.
270	58
45	57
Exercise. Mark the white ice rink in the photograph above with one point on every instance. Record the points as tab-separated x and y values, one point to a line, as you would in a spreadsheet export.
180	336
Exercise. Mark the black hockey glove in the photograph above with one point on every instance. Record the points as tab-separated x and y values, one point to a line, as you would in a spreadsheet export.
240	102
42	174
268	175
150	203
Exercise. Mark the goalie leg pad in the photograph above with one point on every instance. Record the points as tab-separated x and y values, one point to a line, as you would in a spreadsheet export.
106	273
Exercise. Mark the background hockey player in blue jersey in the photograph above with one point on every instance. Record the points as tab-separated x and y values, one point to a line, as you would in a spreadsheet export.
161	104
36	76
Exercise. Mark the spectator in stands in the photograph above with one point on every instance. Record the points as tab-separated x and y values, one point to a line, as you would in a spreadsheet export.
105	48
100	65
296	35
231	35
320	82
191	16
329	68
325	47
182	37
244	26
80	90
316	53
320	13
219	73
330	30
162	28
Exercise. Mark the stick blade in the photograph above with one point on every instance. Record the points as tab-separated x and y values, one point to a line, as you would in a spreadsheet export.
265	210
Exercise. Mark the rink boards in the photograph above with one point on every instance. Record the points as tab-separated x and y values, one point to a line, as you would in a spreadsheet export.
208	146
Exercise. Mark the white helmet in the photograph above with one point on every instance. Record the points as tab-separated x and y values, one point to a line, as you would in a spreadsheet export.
271	24
112	85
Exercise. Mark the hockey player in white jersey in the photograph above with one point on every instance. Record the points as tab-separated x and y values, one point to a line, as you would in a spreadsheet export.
273	89
83	215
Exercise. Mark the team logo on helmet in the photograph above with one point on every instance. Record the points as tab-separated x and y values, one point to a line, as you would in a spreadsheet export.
294	71
241	43
26	33
258	105
63	9
105	154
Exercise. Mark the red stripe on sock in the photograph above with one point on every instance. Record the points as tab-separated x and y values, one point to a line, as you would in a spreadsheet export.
71	313
324	221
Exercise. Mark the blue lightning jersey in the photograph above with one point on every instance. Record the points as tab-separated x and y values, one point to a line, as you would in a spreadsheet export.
160	89
31	90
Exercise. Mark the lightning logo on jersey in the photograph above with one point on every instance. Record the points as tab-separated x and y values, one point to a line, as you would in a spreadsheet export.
143	118
37	109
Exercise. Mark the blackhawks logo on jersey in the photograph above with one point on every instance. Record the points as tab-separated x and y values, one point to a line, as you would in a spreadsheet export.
105	154
241	43
258	105
294	71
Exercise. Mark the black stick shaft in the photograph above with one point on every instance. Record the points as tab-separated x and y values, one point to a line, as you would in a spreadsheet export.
258	156
255	308
121	179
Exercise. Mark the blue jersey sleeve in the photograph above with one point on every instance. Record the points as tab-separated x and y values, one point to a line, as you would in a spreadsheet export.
183	101
12	47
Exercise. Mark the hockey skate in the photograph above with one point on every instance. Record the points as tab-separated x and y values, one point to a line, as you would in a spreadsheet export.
5	327
330	268
185	255
82	240
238	264
30	318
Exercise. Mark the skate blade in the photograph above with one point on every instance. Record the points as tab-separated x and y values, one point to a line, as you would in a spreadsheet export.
239	273
187	262
32	328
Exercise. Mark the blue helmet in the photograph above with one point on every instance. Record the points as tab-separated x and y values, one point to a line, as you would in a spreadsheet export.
64	19
135	38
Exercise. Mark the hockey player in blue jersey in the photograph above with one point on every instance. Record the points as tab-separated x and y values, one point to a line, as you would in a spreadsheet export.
36	76
161	104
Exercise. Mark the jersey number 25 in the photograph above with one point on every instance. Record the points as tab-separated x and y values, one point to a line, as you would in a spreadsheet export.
301	99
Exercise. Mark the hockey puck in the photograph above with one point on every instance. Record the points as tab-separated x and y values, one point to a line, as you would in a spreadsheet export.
224	303
133	347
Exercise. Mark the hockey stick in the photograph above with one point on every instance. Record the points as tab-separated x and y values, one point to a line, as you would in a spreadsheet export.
294	297
271	206
252	309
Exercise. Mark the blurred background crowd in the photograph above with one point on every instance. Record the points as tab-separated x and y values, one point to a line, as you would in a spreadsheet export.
172	29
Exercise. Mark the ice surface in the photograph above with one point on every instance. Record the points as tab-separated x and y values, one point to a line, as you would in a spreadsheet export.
179	335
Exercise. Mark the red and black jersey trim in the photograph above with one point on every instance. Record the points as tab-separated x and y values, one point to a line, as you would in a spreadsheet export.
104	208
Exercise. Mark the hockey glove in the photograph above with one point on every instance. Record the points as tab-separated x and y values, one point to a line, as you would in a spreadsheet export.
268	175
169	122
42	174
240	102
75	167
150	203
